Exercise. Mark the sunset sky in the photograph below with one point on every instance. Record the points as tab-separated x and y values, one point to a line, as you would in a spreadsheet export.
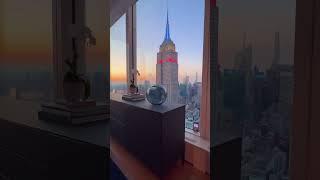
26	33
259	19
26	28
186	28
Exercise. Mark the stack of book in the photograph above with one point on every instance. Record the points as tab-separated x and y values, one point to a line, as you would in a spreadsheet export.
133	97
79	113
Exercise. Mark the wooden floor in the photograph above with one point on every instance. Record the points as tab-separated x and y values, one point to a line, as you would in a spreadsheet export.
133	169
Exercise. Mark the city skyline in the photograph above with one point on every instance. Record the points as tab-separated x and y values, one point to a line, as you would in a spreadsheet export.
259	28
151	19
36	47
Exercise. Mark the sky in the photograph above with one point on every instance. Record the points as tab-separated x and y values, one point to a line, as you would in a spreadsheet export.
26	34
26	29
260	19
186	28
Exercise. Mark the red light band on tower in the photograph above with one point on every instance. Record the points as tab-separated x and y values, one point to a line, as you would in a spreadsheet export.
170	60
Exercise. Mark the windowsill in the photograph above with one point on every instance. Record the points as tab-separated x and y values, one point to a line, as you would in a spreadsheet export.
25	113
192	132
197	141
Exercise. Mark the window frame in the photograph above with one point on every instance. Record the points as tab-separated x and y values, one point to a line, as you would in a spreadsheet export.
305	68
304	141
131	38
131	23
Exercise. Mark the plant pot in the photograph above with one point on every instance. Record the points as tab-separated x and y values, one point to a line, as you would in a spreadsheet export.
133	90
73	91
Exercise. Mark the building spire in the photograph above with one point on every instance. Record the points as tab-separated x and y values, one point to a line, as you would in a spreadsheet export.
167	36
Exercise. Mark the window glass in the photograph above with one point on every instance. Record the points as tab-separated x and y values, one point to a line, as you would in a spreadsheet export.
118	57
255	62
170	51
26	50
96	59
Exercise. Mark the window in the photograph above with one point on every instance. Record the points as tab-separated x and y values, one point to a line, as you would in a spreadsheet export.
170	51
118	62
255	89
26	50
35	41
96	55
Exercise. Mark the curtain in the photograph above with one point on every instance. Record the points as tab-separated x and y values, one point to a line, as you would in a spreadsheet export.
205	98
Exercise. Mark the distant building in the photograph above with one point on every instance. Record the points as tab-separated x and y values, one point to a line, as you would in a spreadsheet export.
272	92
280	79
144	87
187	80
167	67
259	84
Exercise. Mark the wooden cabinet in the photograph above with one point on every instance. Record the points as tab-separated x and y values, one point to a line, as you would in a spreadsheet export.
153	134
32	149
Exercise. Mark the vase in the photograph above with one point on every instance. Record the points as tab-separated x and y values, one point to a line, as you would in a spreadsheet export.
74	91
133	90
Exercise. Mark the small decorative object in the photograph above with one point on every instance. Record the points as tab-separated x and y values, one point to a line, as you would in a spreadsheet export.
133	94
156	94
75	86
196	127
133	89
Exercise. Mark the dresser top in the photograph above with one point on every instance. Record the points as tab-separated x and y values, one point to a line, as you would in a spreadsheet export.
25	113
164	108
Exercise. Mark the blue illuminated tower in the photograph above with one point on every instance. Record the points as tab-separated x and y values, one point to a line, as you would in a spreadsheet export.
167	66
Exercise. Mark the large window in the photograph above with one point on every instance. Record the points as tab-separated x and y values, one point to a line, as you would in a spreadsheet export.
256	49
118	62
36	41
170	51
26	50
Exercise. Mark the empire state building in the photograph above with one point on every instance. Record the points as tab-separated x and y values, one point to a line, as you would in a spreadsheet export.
167	67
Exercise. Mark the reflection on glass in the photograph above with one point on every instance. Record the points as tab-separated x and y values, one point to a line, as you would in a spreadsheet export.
256	45
26	50
96	55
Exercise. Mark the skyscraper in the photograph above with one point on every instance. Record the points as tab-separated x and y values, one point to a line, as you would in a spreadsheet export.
167	66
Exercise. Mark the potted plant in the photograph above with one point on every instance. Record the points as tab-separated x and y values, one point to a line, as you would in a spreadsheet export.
133	89
75	86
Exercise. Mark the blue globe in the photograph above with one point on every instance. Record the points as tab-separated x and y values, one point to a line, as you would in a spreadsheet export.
156	94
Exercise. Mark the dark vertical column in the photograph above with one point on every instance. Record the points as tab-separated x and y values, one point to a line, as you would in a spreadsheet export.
131	34
65	14
314	146
214	73
304	38
225	153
